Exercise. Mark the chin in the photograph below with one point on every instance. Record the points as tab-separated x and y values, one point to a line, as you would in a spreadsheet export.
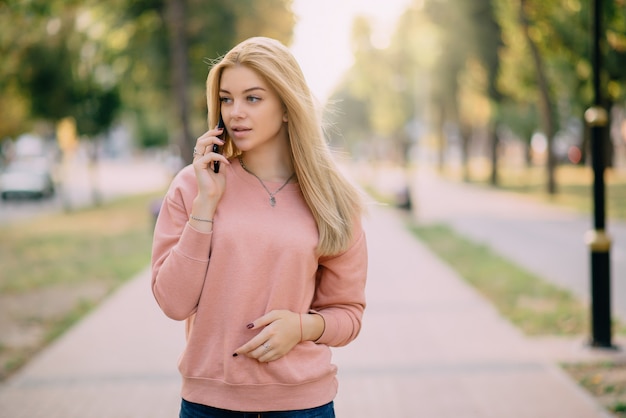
243	146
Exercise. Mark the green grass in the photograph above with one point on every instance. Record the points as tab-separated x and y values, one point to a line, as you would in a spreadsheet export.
58	327
98	248
574	186
606	381
533	305
108	243
574	189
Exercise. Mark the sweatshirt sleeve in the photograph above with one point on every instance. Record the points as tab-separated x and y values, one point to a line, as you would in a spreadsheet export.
180	253
340	294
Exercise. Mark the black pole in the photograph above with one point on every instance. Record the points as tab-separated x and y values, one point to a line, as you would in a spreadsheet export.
598	240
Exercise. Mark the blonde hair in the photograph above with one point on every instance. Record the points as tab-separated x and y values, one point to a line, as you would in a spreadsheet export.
333	200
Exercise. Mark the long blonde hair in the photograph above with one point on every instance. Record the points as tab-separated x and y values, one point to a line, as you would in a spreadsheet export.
333	200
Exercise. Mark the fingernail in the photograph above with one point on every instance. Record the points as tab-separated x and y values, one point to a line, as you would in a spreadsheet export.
235	354
250	326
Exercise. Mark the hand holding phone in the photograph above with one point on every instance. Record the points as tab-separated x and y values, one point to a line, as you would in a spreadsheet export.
216	148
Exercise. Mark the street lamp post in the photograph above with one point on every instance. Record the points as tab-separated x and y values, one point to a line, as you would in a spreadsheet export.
598	240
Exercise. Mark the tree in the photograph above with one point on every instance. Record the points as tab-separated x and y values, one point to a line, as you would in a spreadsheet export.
545	92
176	17
58	69
382	103
176	40
558	30
470	41
453	28
90	59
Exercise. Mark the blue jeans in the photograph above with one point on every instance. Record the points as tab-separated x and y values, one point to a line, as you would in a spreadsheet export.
194	410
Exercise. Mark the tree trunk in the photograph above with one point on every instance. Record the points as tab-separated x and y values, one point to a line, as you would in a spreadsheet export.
608	140
465	133
93	167
176	23
494	141
440	118
545	100
585	143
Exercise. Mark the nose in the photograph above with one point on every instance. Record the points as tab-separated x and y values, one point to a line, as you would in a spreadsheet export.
237	110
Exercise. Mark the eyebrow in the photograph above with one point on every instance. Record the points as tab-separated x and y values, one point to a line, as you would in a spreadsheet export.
245	91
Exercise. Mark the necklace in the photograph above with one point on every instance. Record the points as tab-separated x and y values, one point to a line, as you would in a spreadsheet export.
272	194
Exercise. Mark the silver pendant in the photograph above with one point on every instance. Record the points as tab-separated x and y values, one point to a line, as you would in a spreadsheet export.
272	201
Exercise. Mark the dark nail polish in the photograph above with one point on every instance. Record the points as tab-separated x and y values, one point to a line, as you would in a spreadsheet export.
250	326
235	354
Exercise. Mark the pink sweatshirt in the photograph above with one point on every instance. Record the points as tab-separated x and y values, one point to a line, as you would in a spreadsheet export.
258	258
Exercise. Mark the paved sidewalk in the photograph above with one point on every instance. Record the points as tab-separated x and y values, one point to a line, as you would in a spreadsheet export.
119	362
545	239
433	347
430	347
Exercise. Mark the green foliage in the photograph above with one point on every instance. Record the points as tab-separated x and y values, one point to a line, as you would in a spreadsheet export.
59	68
93	60
420	70
383	92
460	67
151	131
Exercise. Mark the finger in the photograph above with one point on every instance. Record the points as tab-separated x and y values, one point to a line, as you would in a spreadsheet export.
205	142
206	146
208	159
262	352
259	323
211	133
219	157
255	344
264	320
268	357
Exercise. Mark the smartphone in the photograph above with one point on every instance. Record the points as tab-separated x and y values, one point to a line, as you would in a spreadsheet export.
216	148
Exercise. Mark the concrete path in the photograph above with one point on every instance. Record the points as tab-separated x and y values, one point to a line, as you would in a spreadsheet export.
119	362
546	240
430	347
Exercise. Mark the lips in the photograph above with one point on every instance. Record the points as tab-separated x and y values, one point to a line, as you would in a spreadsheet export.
239	131
239	128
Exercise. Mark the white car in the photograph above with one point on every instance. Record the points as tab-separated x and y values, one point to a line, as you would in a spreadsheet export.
26	178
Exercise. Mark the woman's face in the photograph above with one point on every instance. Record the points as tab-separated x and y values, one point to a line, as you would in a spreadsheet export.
252	112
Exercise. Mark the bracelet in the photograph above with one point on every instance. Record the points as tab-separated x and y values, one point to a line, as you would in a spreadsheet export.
200	219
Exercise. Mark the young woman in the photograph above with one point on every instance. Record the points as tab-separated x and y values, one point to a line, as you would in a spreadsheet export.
266	258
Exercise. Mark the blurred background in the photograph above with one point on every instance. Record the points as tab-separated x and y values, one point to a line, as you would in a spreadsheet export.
101	103
478	85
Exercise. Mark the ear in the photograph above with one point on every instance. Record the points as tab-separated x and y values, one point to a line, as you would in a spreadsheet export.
285	118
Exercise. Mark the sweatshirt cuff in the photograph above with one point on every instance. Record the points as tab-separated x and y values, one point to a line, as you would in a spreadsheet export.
194	244
329	335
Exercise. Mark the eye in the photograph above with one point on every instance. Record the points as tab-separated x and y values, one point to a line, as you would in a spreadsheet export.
253	99
225	99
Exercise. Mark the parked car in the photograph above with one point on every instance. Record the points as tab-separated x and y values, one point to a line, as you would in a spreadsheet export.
26	178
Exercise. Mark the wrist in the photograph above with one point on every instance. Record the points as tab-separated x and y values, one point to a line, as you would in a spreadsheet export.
203	208
201	216
195	218
312	326
201	224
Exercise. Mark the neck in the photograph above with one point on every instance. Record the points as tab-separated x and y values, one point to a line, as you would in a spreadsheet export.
270	166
